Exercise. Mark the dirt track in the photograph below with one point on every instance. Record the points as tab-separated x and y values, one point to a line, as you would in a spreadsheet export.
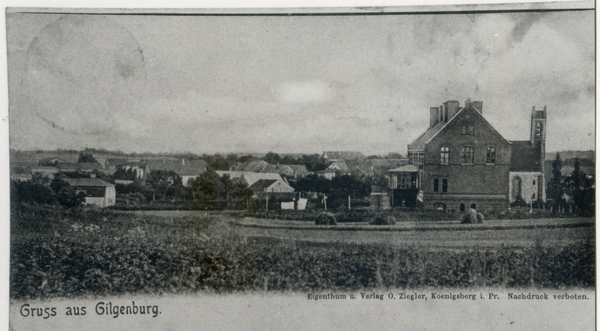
494	233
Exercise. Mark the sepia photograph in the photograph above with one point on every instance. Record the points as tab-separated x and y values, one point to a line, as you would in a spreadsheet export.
416	167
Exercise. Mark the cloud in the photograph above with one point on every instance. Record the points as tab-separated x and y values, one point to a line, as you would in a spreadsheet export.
303	92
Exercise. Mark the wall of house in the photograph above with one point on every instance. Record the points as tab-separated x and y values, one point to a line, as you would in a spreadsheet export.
485	185
108	199
532	183
279	187
186	179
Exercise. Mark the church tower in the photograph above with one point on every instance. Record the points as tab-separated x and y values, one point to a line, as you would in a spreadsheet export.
538	126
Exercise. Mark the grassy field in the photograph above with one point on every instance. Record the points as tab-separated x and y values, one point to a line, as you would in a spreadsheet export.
58	253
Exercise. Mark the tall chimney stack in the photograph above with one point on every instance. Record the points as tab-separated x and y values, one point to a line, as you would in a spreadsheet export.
451	108
478	105
434	117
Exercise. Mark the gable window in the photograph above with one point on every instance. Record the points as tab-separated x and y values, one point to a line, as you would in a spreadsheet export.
466	155
436	185
445	155
468	129
490	155
444	185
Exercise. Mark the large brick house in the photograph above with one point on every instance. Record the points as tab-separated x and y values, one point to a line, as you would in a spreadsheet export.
462	162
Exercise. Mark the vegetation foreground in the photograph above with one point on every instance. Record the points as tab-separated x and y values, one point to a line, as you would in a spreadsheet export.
67	253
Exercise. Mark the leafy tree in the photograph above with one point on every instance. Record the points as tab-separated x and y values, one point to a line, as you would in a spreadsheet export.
40	179
555	185
272	158
28	192
314	162
207	188
242	194
58	183
123	174
86	157
580	189
245	158
165	183
68	198
216	162
392	155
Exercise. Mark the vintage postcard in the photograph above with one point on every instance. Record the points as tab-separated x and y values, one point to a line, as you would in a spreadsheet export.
408	167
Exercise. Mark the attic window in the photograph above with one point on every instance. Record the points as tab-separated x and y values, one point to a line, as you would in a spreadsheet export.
468	129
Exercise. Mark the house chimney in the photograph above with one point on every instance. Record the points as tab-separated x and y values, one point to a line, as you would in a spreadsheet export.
451	108
478	105
468	102
435	116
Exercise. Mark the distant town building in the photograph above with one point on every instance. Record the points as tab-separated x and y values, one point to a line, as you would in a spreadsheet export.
97	192
342	155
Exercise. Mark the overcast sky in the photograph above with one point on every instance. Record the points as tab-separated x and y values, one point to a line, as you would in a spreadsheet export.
297	84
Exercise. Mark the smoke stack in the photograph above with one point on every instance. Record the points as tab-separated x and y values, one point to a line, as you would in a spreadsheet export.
434	118
451	108
478	105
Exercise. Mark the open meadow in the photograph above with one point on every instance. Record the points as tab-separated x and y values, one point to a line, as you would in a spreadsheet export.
72	253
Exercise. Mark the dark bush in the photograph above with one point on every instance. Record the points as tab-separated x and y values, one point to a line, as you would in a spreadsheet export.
68	198
383	220
325	218
471	216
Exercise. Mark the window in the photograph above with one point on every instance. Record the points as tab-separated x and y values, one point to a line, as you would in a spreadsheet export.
473	206
436	185
468	129
462	207
467	155
439	207
444	185
445	155
490	156
538	128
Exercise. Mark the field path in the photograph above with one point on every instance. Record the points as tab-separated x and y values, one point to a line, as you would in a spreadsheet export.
494	233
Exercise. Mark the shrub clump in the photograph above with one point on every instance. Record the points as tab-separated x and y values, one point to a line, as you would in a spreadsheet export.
383	220
472	217
325	218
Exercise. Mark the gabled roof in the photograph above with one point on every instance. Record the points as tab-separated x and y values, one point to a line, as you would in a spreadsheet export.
50	159
427	136
249	177
87	182
255	166
406	168
278	168
180	167
79	166
341	165
419	143
262	184
525	157
299	169
343	155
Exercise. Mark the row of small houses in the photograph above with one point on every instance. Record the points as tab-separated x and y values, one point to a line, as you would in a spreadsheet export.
260	176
